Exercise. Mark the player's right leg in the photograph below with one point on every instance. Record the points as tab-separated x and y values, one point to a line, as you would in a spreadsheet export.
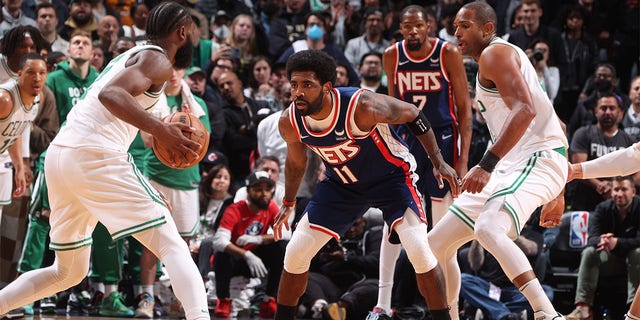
302	247
389	254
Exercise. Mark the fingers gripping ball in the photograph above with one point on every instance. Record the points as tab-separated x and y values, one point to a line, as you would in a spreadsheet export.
200	136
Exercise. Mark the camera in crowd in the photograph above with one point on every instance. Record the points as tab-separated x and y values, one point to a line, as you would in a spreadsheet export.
537	55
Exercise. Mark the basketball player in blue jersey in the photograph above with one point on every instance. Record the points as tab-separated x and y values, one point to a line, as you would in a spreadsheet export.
429	73
368	165
524	168
92	177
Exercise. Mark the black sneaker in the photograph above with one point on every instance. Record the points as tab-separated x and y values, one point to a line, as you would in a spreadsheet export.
96	302
13	314
79	303
48	304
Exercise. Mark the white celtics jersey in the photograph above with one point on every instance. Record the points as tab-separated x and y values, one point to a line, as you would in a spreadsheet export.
91	124
543	133
19	119
5	71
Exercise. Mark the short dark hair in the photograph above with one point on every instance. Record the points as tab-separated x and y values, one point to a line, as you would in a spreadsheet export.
45	5
31	56
316	61
266	158
166	18
370	53
483	12
629	177
612	95
414	8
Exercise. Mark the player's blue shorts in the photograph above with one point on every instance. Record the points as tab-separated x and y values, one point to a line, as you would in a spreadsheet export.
447	139
335	206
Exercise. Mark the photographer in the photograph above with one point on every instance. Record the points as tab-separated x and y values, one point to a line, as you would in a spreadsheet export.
539	53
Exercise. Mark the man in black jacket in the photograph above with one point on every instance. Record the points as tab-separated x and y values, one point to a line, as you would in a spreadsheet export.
612	247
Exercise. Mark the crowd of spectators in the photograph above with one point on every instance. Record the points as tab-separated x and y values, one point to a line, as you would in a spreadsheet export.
586	54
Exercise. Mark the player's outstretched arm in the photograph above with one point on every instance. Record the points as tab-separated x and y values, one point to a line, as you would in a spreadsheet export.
150	69
294	168
376	108
618	163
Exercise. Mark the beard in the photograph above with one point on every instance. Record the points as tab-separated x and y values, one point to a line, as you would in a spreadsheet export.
184	55
413	46
312	107
82	20
259	202
607	122
371	77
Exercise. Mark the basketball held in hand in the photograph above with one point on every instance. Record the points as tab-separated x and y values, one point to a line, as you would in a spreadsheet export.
200	136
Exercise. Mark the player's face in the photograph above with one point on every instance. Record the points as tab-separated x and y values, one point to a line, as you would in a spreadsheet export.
32	76
260	194
415	30
26	46
184	54
306	92
468	32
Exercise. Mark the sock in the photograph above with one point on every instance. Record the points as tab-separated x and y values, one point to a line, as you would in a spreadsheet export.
148	288
629	316
98	286
388	255
285	312
109	288
534	293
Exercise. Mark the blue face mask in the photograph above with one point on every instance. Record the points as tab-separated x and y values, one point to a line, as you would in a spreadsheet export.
315	33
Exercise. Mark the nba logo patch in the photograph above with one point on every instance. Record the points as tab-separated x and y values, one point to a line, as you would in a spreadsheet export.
579	229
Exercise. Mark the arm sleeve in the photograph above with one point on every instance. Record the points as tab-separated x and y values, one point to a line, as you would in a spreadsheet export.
619	163
221	239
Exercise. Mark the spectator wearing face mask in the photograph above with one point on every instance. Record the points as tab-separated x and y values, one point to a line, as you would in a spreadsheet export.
315	40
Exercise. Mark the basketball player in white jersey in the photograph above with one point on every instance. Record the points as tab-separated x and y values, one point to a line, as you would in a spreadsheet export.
19	100
92	177
524	168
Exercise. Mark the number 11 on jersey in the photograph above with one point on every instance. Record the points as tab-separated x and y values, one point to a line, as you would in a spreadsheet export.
345	174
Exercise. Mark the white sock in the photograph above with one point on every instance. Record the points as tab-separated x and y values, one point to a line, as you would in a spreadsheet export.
389	253
148	288
538	300
110	288
98	286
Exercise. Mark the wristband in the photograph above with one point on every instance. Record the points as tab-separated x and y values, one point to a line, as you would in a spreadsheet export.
288	203
488	161
420	125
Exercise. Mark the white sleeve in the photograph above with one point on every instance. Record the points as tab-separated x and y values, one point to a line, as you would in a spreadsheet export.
221	239
619	163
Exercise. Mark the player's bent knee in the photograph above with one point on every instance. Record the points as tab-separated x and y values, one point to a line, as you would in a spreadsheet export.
413	235
303	246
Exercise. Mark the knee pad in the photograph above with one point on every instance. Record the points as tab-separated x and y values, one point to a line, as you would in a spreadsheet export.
303	246
413	236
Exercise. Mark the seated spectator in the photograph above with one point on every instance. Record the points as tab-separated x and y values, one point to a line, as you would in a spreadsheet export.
315	31
342	78
447	15
259	87
613	246
372	39
80	17
108	30
137	31
249	38
605	81
243	246
271	165
631	121
371	73
593	141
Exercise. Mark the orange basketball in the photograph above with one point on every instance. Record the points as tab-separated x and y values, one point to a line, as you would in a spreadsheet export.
200	136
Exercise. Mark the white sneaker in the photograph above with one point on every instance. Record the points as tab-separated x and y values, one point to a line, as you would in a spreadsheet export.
145	306
541	315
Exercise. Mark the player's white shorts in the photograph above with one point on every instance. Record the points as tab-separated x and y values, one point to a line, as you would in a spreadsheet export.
519	188
185	208
88	185
6	186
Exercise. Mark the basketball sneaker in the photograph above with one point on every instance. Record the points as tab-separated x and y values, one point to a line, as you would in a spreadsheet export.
378	314
13	314
113	306
223	308
267	308
48	304
541	315
79	303
580	313
145	306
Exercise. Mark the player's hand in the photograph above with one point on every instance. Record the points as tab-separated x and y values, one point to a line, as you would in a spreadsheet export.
256	266
246	239
445	171
282	219
21	183
172	137
551	214
475	180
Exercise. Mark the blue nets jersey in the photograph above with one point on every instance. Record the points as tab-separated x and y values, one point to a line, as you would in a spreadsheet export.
425	83
354	158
